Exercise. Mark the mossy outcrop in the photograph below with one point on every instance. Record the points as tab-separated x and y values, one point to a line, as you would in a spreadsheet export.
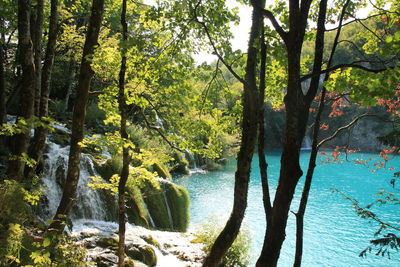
136	210
143	253
167	203
155	203
178	201
161	171
180	165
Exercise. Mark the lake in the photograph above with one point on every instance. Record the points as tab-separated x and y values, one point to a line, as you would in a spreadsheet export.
333	234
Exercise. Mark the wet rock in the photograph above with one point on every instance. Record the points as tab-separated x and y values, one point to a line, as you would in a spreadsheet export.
151	240
106	260
107	242
143	253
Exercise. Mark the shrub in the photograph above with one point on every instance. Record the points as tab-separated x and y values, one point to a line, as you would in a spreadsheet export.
237	255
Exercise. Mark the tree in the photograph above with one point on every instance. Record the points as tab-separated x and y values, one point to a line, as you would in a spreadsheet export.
38	143
122	106
249	133
85	76
26	108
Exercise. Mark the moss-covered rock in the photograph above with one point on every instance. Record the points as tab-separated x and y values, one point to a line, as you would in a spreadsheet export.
168	205
136	210
151	240
161	171
154	198
107	242
180	165
178	201
211	165
107	168
143	253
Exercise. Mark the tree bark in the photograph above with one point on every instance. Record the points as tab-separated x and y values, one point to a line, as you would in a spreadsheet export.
70	82
38	144
124	136
296	121
3	110
249	135
79	114
21	141
314	149
261	132
36	32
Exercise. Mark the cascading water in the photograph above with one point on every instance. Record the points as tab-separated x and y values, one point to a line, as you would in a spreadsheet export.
306	144
159	122
89	203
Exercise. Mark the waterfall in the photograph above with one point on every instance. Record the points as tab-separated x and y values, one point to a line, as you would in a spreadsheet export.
306	144
88	202
151	221
191	159
159	122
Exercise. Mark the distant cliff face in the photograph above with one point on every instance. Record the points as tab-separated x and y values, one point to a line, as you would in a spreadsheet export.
363	135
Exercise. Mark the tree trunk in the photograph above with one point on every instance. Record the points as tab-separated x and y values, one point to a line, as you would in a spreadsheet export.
249	135
124	136
36	32
296	121
21	141
38	144
78	119
3	110
70	82
314	150
261	132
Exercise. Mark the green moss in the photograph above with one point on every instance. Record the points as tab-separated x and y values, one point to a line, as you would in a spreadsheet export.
108	168
161	171
107	242
211	165
180	164
178	200
154	198
136	210
151	240
143	253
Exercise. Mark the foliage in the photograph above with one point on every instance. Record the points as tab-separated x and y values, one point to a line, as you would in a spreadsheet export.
22	240
390	241
238	253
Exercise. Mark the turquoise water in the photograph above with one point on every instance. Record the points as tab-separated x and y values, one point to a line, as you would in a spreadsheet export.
333	236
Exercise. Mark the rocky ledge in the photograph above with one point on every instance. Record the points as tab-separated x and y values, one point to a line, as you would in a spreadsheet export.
144	247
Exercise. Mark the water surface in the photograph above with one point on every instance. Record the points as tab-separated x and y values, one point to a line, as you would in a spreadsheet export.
333	236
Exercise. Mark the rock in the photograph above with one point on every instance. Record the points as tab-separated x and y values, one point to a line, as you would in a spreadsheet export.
143	253
106	260
107	242
151	240
161	171
178	201
136	210
180	163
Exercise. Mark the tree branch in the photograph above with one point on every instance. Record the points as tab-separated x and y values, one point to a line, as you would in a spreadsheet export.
341	129
203	24
268	14
347	65
157	129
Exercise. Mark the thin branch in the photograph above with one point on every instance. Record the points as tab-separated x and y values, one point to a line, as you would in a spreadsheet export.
341	129
203	24
347	65
208	86
355	20
157	129
268	14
